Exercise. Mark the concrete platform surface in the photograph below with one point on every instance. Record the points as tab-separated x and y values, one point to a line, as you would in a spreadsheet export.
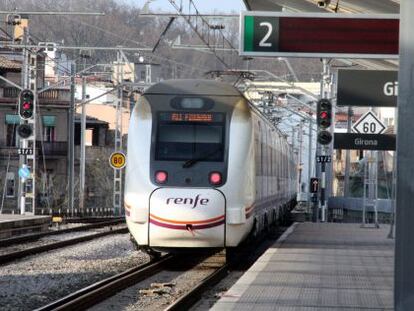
13	225
15	217
319	267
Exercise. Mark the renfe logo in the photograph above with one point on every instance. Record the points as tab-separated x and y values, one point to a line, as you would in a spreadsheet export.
190	201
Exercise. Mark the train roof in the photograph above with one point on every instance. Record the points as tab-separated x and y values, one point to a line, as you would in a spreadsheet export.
193	87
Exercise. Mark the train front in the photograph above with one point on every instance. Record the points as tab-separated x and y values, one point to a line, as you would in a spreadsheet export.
177	162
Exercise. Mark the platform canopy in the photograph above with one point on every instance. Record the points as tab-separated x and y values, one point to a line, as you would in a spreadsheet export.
339	6
344	6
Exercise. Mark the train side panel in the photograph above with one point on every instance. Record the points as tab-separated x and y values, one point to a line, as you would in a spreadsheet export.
240	186
138	187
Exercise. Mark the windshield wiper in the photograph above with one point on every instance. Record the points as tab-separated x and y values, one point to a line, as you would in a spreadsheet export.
191	162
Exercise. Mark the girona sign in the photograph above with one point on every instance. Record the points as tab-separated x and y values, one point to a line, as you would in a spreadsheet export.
367	88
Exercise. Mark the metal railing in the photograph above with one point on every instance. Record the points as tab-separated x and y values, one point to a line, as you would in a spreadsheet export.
56	148
49	95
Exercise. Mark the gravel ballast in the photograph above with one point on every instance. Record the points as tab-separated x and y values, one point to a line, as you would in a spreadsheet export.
38	280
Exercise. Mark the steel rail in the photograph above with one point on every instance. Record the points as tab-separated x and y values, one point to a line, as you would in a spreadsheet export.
95	293
36	236
186	301
5	258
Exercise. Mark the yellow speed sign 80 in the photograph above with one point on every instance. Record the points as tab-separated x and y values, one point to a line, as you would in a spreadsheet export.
117	160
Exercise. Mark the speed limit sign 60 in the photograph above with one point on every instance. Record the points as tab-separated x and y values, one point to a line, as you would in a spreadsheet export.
117	160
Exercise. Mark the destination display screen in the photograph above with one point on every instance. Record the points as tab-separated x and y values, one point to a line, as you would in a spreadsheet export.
206	117
183	136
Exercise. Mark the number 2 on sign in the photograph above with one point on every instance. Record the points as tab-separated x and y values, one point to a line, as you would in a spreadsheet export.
263	42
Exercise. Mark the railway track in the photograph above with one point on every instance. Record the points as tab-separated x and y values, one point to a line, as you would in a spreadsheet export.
8	257
36	236
89	296
191	297
137	280
92	295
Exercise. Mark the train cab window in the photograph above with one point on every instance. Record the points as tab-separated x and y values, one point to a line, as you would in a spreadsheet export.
190	136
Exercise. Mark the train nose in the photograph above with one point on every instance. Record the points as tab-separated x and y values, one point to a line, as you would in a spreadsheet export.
187	218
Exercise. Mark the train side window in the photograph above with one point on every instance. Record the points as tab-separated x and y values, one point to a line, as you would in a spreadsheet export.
271	159
259	137
262	150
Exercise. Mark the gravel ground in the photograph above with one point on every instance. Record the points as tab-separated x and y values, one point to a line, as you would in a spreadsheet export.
54	238
214	294
157	292
56	227
38	280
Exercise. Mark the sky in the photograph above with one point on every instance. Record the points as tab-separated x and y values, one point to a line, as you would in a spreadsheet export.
204	6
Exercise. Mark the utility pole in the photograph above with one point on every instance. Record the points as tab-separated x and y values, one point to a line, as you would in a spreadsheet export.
71	141
404	252
326	148
300	138
82	150
310	157
348	156
27	160
21	143
117	198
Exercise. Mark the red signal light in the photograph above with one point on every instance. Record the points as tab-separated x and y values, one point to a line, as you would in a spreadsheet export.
324	110
26	106
215	178
161	177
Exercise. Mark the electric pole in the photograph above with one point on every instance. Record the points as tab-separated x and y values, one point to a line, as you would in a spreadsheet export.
117	198
71	141
27	143
82	150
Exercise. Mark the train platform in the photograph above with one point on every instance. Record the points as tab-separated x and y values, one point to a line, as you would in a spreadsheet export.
319	266
14	225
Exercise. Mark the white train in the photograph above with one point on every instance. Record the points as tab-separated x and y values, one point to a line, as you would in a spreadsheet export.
204	168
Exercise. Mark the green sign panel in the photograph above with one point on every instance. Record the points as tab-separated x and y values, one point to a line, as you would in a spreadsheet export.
261	34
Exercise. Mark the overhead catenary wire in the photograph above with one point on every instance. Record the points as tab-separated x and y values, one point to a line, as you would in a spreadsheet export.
27	47
139	43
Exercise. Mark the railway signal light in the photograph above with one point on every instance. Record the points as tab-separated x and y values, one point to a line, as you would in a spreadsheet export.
324	120
324	113
324	137
25	130
26	104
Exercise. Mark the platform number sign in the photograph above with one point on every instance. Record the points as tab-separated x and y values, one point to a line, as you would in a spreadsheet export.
369	124
117	160
260	34
329	35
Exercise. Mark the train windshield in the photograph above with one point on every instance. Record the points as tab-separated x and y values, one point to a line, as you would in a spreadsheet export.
190	137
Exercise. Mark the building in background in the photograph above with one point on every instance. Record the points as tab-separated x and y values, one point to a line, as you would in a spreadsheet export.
51	138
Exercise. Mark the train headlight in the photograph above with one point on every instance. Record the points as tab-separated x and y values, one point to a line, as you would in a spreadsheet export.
161	177
215	178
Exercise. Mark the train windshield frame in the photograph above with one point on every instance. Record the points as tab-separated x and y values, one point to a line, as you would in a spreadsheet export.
190	136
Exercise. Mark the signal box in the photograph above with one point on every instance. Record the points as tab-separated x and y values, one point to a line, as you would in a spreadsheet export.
26	104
